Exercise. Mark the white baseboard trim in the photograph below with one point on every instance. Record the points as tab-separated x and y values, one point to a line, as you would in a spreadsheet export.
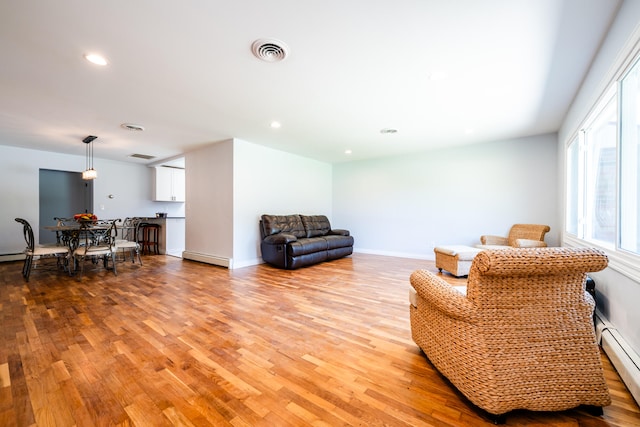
208	259
623	358
247	263
11	257
395	254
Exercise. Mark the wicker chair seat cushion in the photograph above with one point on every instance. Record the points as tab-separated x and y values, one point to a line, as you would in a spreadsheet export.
464	253
482	247
414	297
49	250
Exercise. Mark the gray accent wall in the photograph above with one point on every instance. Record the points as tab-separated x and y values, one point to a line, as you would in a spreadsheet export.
62	194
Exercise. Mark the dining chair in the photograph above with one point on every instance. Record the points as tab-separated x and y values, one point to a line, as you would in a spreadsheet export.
36	252
60	237
129	239
99	240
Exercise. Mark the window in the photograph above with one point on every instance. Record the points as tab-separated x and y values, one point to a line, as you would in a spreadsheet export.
630	161
591	177
600	143
602	172
574	187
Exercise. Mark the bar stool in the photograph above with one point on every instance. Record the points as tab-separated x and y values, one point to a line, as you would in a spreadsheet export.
150	235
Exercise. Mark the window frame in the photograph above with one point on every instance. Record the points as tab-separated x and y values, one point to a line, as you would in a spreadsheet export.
621	260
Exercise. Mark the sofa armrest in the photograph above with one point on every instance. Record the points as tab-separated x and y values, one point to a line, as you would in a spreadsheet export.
441	296
494	240
280	239
339	232
529	243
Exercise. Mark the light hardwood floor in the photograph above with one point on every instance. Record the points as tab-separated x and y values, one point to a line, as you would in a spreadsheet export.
177	342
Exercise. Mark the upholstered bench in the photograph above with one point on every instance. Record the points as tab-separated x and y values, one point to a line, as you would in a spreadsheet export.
456	259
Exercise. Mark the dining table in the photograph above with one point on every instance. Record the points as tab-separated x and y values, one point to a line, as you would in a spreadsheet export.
79	233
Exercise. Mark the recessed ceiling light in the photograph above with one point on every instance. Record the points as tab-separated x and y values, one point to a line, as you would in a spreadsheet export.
469	131
132	127
388	130
348	151
276	125
96	59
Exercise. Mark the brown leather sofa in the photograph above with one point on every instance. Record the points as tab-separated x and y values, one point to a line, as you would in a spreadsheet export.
294	241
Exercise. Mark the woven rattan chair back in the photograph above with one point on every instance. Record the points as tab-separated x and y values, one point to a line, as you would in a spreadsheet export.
522	337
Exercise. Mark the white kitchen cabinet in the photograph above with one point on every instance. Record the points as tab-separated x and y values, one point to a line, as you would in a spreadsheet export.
169	184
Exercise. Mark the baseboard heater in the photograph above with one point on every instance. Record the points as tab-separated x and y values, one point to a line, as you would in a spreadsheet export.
207	258
623	358
11	257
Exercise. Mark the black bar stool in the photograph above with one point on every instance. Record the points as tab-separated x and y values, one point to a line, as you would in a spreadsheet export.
150	235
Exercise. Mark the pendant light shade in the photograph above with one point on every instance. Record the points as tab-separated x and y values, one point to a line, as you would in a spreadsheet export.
89	172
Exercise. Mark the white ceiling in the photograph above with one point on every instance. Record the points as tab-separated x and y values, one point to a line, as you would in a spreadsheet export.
184	70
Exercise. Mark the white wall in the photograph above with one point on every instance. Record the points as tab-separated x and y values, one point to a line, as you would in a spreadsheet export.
209	205
618	296
19	188
232	183
131	186
405	205
268	181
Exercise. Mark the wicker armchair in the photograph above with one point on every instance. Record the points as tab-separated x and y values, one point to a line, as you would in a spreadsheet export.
522	337
520	236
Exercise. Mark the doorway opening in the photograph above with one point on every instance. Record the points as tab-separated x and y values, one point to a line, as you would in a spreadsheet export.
62	195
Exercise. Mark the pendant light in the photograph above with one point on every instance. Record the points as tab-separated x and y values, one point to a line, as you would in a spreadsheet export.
90	172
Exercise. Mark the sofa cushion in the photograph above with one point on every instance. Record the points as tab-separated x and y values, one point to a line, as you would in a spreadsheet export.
338	241
307	246
307	259
315	225
339	252
274	224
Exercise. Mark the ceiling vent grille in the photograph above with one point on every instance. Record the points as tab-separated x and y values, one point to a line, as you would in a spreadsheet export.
270	50
142	156
132	127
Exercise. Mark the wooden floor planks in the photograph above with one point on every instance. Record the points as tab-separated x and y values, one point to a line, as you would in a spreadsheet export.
181	343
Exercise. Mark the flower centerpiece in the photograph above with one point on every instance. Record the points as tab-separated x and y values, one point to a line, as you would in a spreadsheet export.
85	217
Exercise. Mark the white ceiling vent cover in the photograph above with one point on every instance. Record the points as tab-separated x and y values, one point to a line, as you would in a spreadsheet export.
132	127
270	50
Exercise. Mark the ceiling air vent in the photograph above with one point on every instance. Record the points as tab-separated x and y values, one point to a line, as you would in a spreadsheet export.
133	127
142	156
270	50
